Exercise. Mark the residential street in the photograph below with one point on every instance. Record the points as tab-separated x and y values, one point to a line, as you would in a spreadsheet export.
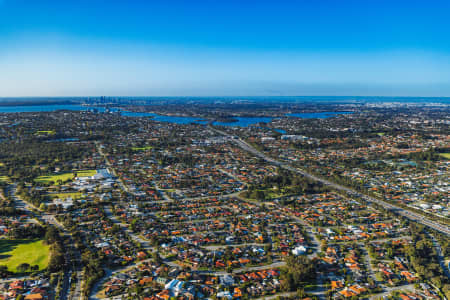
406	213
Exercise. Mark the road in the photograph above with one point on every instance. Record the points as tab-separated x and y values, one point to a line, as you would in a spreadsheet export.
144	244
217	247
315	243
274	265
77	293
111	169
276	296
440	255
258	268
368	263
108	273
389	290
403	212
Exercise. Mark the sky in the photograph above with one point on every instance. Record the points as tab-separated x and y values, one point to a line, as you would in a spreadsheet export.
224	48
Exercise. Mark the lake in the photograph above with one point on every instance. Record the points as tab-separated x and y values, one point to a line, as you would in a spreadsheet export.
74	107
44	108
169	119
241	121
282	131
249	121
245	121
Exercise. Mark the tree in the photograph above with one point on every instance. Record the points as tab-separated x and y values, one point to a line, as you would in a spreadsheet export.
51	235
23	267
4	271
298	270
34	268
56	262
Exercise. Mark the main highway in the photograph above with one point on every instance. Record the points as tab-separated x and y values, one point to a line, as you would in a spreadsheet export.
398	210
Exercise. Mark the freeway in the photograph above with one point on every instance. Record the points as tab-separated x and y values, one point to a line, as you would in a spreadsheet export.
398	210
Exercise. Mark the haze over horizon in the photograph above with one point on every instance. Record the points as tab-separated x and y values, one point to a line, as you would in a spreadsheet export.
208	48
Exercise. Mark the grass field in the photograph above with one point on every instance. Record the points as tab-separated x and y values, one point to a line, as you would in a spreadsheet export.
16	252
446	155
49	132
86	173
141	148
64	196
4	179
49	179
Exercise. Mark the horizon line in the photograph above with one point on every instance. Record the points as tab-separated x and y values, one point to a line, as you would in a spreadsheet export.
216	96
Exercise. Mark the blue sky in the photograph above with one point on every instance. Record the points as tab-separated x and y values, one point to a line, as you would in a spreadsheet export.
207	48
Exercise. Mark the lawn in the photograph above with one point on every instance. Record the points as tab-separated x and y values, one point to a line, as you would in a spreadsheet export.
141	148
16	252
49	179
86	173
446	155
64	196
49	132
5	179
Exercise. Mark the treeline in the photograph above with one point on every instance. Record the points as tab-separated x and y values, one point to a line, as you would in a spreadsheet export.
20	158
91	260
32	231
186	159
285	183
429	155
51	237
299	272
54	239
7	207
424	258
93	270
32	195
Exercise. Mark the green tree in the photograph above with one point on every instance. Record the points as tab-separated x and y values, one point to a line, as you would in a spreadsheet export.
23	267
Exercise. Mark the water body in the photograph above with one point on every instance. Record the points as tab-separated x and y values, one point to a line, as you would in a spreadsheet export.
241	121
44	108
169	119
280	130
245	121
74	107
249	121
